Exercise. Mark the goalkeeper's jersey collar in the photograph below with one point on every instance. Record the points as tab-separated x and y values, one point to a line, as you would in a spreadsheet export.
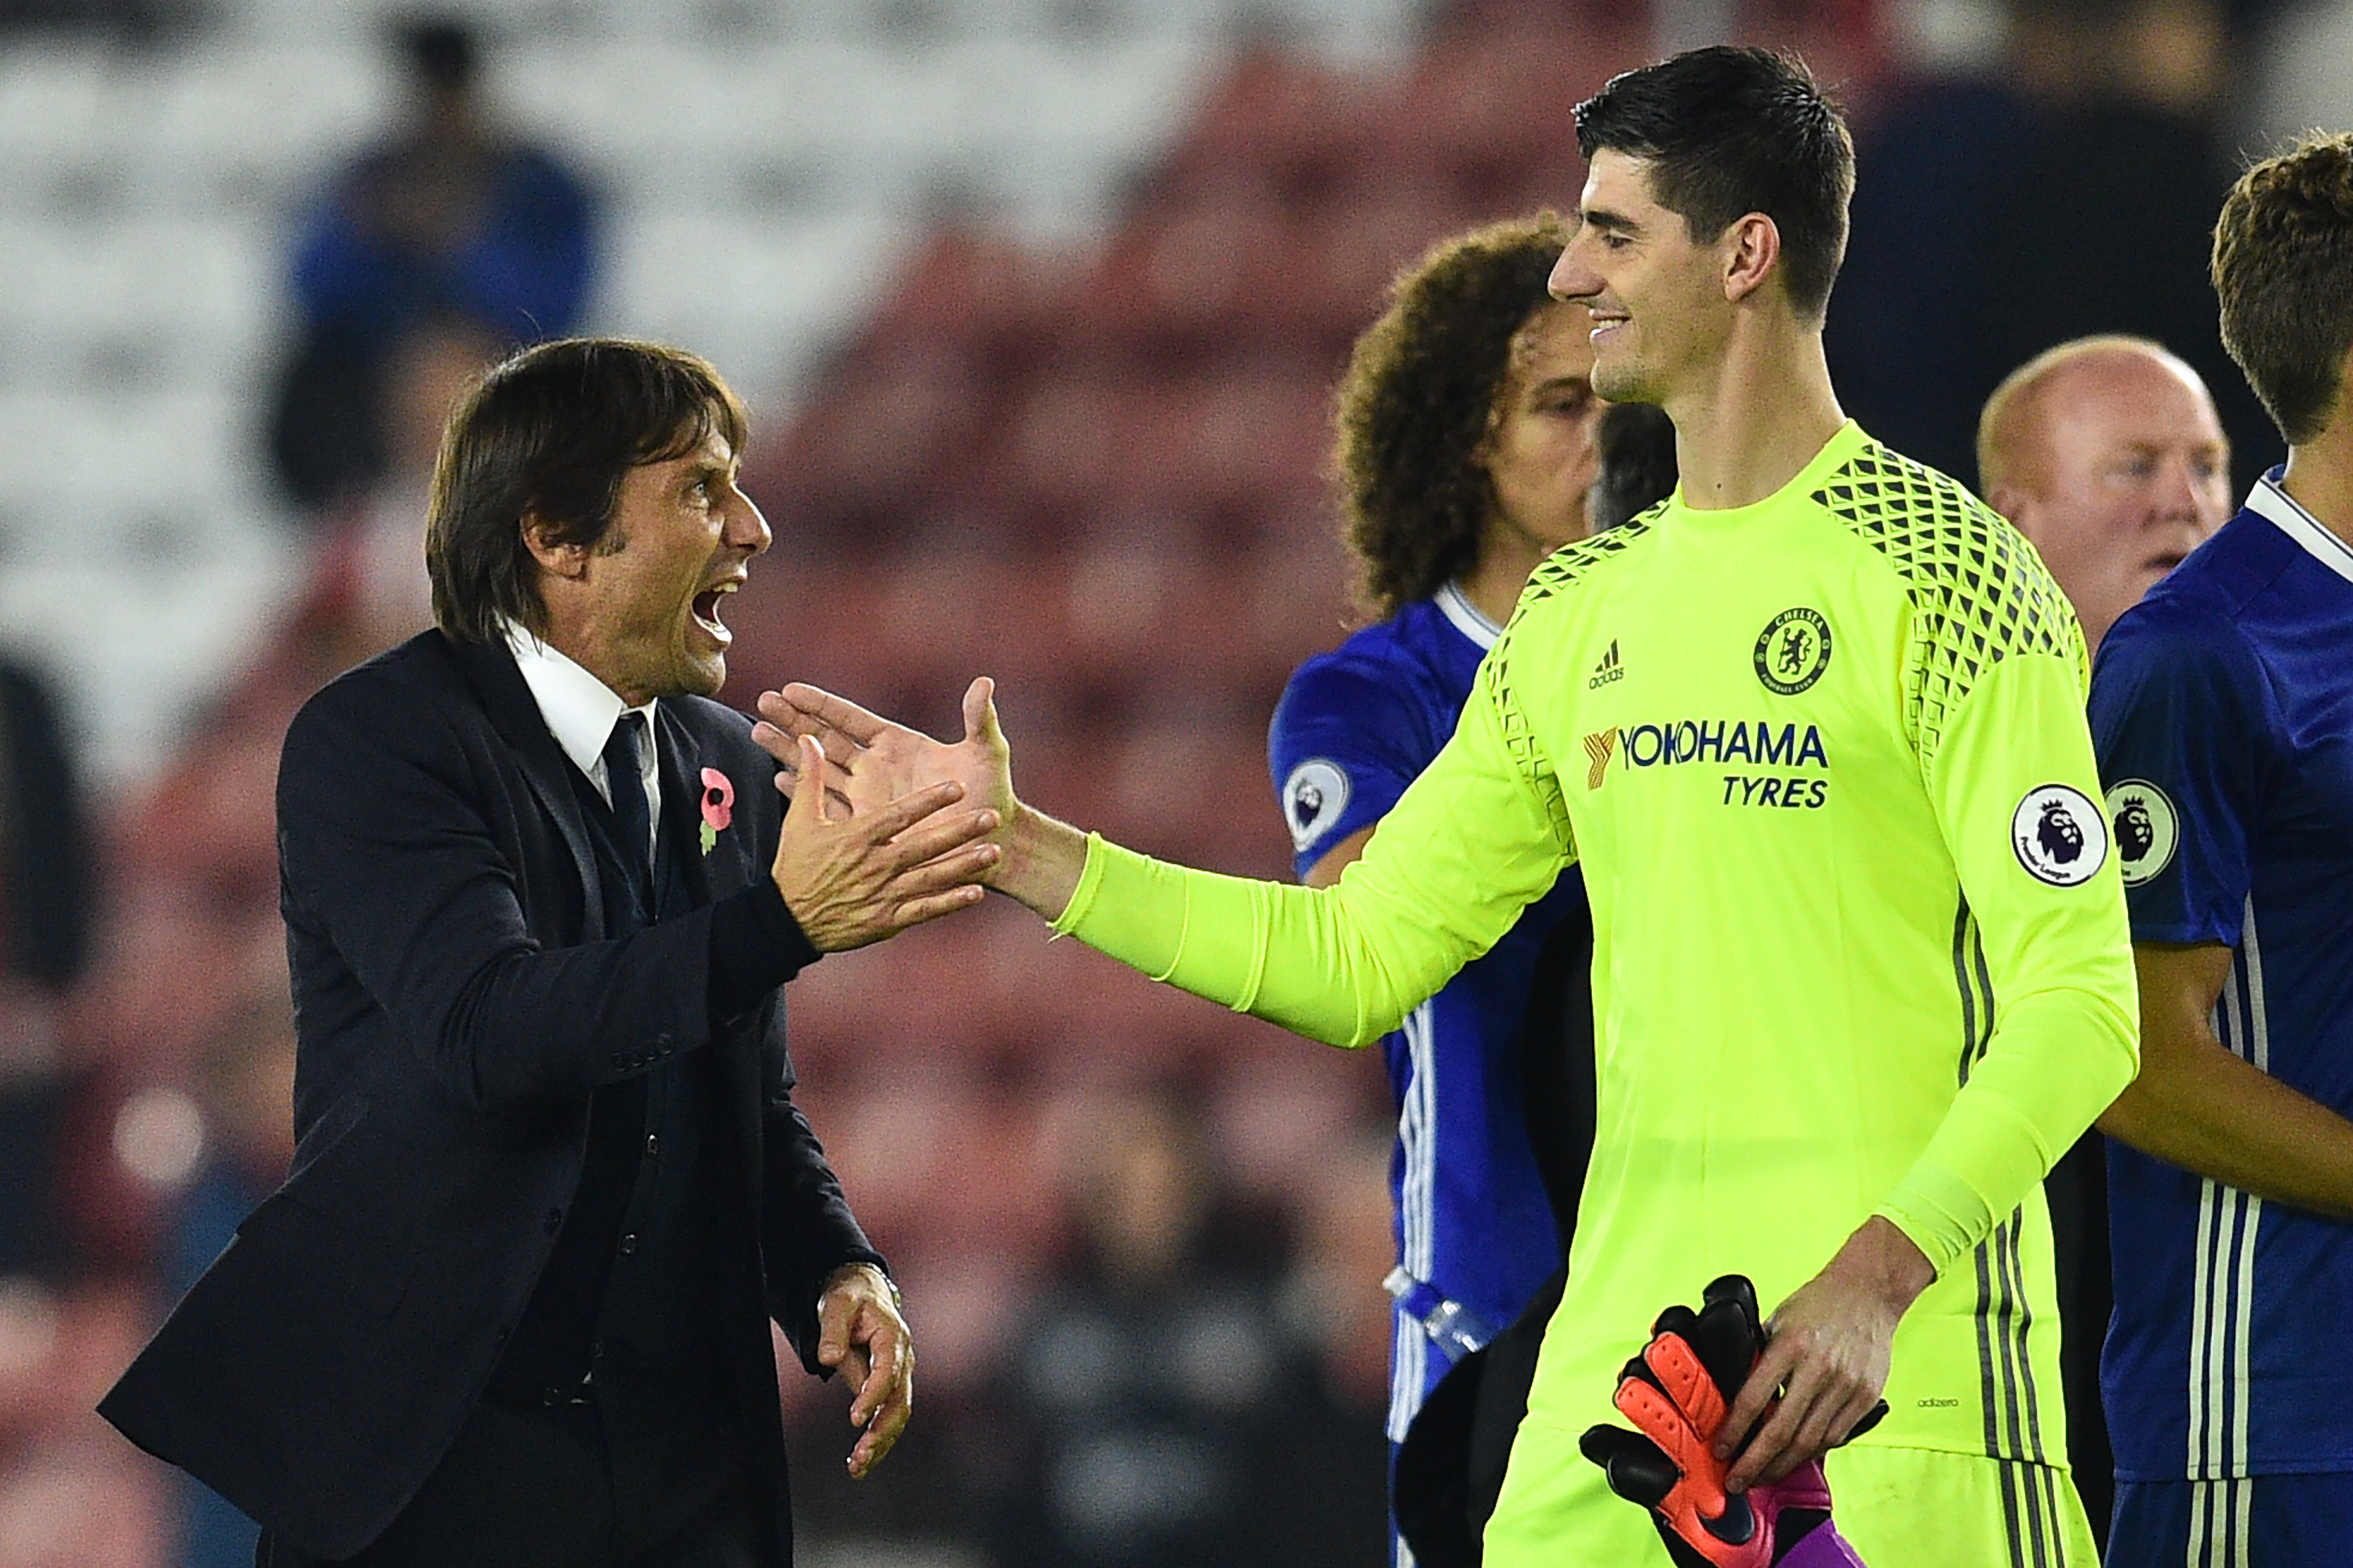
1835	454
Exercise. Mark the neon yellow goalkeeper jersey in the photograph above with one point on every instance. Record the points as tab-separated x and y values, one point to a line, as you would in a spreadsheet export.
1859	945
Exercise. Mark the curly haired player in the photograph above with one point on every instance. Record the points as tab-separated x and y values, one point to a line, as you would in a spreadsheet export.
1468	439
1465	451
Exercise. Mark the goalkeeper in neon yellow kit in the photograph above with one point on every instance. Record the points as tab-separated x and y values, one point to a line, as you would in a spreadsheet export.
1815	729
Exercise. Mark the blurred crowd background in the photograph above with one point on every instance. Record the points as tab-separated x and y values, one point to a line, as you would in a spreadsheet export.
1038	304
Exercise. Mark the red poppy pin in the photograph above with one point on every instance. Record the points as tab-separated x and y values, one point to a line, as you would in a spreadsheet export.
718	806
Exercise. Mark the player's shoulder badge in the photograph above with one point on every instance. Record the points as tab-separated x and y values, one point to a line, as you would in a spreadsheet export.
1793	651
1313	799
2059	835
2148	830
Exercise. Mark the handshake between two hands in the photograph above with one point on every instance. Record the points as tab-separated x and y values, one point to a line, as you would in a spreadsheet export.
887	827
873	842
1680	1393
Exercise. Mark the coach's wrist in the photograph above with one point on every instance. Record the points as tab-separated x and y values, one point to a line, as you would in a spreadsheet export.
870	1275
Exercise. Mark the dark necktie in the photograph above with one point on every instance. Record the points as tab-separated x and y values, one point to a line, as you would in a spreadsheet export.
632	824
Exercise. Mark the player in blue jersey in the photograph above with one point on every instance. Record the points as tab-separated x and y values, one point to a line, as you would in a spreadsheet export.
2223	705
1466	451
2107	453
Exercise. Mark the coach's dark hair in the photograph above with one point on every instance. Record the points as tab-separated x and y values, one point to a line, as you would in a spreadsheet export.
2284	270
549	434
1420	397
1727	132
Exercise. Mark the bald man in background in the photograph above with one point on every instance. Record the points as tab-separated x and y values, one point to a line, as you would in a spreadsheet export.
2106	454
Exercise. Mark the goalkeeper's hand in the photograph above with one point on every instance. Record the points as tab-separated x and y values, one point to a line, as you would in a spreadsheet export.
1677	1394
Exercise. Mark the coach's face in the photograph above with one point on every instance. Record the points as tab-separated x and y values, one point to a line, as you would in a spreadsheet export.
640	610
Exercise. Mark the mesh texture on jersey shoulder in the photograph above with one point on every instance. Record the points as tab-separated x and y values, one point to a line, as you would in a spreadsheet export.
1572	561
1563	567
1979	594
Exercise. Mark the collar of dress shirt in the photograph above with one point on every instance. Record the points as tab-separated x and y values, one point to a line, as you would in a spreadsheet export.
581	712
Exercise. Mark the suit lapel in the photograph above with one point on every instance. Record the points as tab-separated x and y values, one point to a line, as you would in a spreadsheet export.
515	715
738	1049
681	785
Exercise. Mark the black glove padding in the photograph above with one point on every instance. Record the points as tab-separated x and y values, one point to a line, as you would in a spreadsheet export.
1679	1392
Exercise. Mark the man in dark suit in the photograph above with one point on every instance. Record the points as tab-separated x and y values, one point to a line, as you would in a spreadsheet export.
511	1305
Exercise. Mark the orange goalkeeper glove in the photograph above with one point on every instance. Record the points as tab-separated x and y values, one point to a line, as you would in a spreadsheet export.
1677	1394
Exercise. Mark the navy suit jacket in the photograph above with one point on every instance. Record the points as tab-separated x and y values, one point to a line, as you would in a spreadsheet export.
453	1019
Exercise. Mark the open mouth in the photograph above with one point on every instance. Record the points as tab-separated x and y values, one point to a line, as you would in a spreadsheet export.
705	608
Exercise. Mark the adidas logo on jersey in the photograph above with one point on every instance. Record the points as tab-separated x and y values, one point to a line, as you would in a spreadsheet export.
1610	670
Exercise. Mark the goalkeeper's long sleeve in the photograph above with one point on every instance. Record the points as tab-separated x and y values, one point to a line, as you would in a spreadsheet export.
1443	876
2050	992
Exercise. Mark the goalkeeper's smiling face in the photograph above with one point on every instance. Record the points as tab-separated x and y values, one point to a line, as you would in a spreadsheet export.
1657	296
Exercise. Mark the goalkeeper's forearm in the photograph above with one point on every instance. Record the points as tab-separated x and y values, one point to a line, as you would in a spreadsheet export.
1043	862
2055	1061
1322	961
1468	846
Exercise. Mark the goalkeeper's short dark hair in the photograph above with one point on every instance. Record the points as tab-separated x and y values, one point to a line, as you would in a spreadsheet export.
2284	270
1727	132
1420	398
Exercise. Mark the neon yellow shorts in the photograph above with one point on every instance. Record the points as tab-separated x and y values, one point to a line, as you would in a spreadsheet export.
1923	1507
1901	1507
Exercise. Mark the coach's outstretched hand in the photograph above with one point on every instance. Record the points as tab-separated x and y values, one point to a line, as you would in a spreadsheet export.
1678	1393
850	880
870	762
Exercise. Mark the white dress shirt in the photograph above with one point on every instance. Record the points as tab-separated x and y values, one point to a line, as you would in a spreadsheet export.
581	712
